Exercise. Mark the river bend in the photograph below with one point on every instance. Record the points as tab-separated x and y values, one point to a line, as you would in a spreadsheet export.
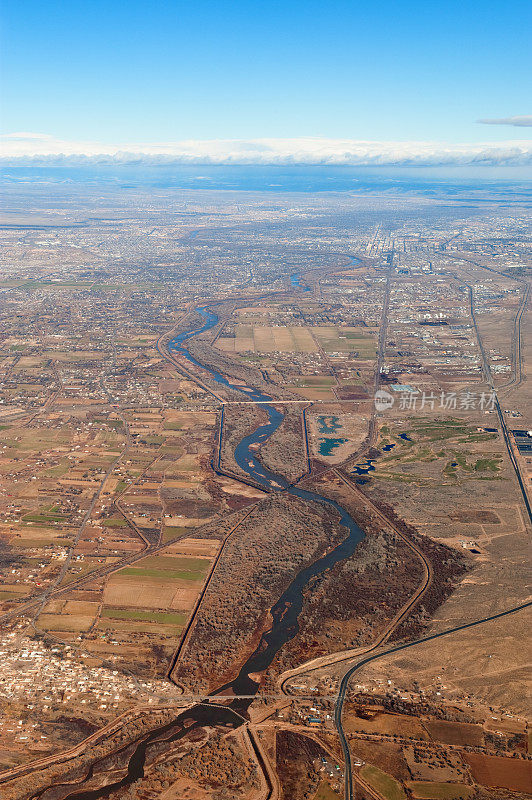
284	613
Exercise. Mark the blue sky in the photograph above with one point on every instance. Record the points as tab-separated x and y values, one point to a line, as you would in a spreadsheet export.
168	71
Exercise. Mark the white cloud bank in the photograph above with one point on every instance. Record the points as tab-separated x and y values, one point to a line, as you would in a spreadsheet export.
517	122
40	149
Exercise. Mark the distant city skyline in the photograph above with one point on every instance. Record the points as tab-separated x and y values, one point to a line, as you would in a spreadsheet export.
103	77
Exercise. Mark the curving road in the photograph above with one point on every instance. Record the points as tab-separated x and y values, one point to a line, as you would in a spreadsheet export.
404	611
348	779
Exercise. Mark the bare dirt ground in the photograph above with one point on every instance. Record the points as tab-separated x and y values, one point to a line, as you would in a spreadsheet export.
485	663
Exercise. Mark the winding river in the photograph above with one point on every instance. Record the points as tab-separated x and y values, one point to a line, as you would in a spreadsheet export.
284	613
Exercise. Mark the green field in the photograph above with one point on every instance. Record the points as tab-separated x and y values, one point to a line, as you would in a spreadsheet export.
325	792
315	380
44	519
171	531
480	465
425	790
383	783
165	574
40	542
430	440
114	522
344	340
113	423
57	472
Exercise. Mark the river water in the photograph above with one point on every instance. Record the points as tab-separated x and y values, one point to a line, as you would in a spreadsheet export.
284	613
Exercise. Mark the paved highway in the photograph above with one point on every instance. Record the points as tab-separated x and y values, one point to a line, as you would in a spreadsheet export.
348	785
502	420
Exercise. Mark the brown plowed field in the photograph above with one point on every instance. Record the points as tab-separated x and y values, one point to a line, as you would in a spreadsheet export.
505	773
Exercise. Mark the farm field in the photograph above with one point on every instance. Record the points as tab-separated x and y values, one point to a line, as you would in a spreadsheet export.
387	724
157	582
298	339
458	733
314	393
264	339
325	793
152	598
340	339
65	622
387	786
425	790
148	616
505	773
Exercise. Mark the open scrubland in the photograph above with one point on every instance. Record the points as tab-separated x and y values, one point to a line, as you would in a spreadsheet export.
280	537
285	452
